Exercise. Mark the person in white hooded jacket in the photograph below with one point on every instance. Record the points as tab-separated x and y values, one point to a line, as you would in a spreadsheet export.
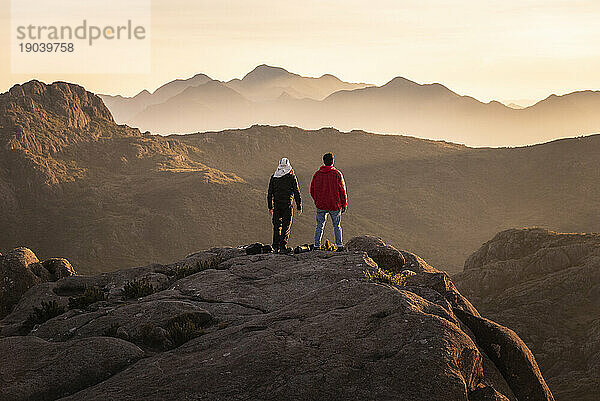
283	186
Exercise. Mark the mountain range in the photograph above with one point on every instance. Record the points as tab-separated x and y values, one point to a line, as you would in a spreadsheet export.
273	96
264	83
76	184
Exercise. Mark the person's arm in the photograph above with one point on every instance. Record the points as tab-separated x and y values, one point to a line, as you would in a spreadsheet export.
312	187
342	190
270	194
297	197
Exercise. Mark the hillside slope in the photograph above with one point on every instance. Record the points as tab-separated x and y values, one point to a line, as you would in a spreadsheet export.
222	325
76	183
440	199
546	286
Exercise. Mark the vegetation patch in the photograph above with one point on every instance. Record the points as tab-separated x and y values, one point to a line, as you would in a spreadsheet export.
90	296
182	330
328	246
387	277
43	313
183	271
112	330
137	289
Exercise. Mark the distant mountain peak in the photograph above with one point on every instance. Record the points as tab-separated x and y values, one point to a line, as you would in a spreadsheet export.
265	72
174	87
496	104
143	93
200	75
400	81
330	77
434	89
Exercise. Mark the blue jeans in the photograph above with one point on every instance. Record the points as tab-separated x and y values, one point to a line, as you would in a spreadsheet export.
336	218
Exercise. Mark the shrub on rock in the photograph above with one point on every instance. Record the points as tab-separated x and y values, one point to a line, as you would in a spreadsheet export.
137	289
89	297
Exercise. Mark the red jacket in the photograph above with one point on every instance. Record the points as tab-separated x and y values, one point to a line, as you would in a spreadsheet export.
328	189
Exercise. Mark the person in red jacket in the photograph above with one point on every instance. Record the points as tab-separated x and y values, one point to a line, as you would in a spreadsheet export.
328	190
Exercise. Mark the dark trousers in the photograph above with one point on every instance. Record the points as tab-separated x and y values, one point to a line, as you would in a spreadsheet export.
282	222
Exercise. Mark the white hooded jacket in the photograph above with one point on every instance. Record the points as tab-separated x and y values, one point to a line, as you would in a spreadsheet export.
284	168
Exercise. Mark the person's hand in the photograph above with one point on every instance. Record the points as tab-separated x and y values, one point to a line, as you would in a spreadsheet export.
271	212
343	210
299	212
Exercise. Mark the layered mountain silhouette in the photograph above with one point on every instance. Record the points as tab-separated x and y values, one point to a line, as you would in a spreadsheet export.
124	108
76	184
264	83
371	323
544	285
268	83
274	96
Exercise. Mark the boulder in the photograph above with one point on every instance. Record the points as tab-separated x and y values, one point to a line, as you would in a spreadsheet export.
387	257
59	268
512	357
441	283
20	270
35	369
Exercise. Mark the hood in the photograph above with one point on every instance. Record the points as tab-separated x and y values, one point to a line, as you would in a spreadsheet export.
284	168
326	169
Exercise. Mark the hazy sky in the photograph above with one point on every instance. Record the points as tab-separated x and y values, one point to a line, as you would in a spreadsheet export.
509	49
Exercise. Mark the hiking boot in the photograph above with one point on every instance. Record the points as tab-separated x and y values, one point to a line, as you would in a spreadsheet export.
341	249
287	251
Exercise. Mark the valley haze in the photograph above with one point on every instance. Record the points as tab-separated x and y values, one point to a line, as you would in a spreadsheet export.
270	95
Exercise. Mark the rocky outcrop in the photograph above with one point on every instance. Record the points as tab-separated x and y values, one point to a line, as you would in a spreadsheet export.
520	255
59	268
394	260
34	369
511	356
381	253
37	118
224	325
544	285
64	99
20	270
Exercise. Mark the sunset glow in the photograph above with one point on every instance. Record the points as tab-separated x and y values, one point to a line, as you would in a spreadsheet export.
506	50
